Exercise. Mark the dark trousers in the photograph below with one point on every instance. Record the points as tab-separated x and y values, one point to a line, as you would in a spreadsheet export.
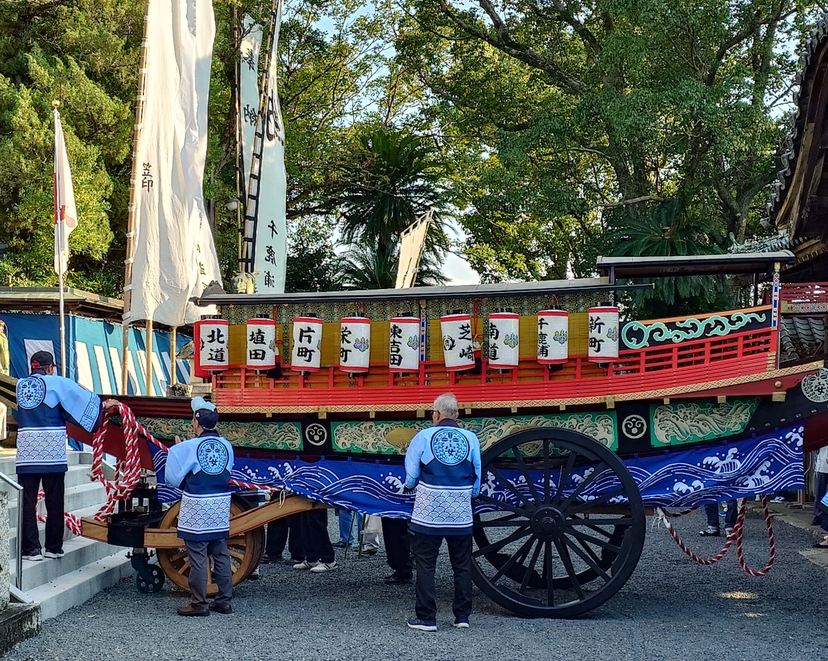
820	487
277	537
222	572
313	528
53	488
712	513
397	548
425	549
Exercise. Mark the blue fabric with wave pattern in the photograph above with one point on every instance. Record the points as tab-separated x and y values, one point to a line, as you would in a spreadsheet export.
692	476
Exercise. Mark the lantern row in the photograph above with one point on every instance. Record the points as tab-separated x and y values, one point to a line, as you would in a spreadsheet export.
404	342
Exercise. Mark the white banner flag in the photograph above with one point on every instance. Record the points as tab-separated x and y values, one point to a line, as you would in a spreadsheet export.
250	48
66	215
271	226
174	256
412	241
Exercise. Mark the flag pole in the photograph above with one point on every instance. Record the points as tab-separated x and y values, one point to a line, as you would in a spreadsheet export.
59	223
133	195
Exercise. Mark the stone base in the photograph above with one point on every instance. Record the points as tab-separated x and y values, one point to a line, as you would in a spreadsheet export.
17	623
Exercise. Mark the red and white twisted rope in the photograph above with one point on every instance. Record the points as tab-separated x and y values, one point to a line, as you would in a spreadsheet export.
736	535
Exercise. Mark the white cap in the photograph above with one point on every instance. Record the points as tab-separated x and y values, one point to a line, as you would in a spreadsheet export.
201	404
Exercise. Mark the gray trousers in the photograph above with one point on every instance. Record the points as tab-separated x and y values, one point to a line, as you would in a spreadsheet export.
222	572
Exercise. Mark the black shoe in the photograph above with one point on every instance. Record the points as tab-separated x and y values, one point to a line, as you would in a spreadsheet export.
396	579
816	522
341	545
189	611
271	559
421	625
224	610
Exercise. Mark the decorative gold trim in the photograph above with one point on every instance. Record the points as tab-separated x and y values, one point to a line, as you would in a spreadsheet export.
533	403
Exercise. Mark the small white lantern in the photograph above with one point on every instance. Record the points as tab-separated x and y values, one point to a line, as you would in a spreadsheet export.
355	344
306	354
261	344
603	333
458	350
553	337
404	344
212	355
504	330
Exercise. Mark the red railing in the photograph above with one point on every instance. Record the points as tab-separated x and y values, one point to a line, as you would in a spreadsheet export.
809	292
655	368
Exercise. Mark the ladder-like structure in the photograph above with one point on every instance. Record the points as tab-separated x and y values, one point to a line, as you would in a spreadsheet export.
247	256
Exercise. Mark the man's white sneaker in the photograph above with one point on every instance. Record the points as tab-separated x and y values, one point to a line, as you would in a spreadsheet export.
55	555
323	567
34	557
303	566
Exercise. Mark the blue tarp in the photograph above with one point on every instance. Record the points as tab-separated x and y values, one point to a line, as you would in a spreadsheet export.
695	476
93	351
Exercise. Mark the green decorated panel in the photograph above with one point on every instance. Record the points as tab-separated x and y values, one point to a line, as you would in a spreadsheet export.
393	437
260	435
692	422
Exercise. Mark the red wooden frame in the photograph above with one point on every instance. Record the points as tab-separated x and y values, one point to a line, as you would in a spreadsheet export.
667	366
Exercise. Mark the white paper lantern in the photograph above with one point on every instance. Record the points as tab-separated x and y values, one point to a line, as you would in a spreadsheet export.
261	344
458	351
404	344
504	331
306	354
603	334
212	352
553	337
355	344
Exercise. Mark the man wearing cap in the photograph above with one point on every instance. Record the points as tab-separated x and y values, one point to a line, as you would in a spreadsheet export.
45	403
200	468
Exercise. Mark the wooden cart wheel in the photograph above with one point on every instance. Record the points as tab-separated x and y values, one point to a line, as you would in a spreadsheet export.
245	551
545	550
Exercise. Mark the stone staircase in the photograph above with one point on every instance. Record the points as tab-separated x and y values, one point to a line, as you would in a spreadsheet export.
88	566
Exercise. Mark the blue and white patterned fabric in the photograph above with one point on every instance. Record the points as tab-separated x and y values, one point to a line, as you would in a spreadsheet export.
201	468
443	463
45	404
693	476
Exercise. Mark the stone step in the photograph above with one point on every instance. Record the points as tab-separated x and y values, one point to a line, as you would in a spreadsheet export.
76	587
79	552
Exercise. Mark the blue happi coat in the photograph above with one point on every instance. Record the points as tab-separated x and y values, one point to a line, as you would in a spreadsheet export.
443	462
201	467
45	403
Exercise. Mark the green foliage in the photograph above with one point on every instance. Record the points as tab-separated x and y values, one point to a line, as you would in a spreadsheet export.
312	263
392	179
576	108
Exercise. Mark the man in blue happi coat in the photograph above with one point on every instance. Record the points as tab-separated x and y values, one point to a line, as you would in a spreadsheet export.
201	467
45	403
443	463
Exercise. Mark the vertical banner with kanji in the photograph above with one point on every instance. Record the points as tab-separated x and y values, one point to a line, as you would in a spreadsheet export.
250	47
174	256
271	225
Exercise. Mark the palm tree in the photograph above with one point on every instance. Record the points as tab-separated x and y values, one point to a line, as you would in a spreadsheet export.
668	230
363	267
392	180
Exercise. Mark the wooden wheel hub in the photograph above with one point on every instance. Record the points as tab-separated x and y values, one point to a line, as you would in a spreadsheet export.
548	524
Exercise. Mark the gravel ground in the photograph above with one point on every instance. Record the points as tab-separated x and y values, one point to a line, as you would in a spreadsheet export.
671	609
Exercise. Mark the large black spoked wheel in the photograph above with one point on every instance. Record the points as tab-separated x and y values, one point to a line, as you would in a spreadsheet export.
559	526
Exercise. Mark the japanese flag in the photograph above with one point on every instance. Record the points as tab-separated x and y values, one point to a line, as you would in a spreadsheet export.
66	216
